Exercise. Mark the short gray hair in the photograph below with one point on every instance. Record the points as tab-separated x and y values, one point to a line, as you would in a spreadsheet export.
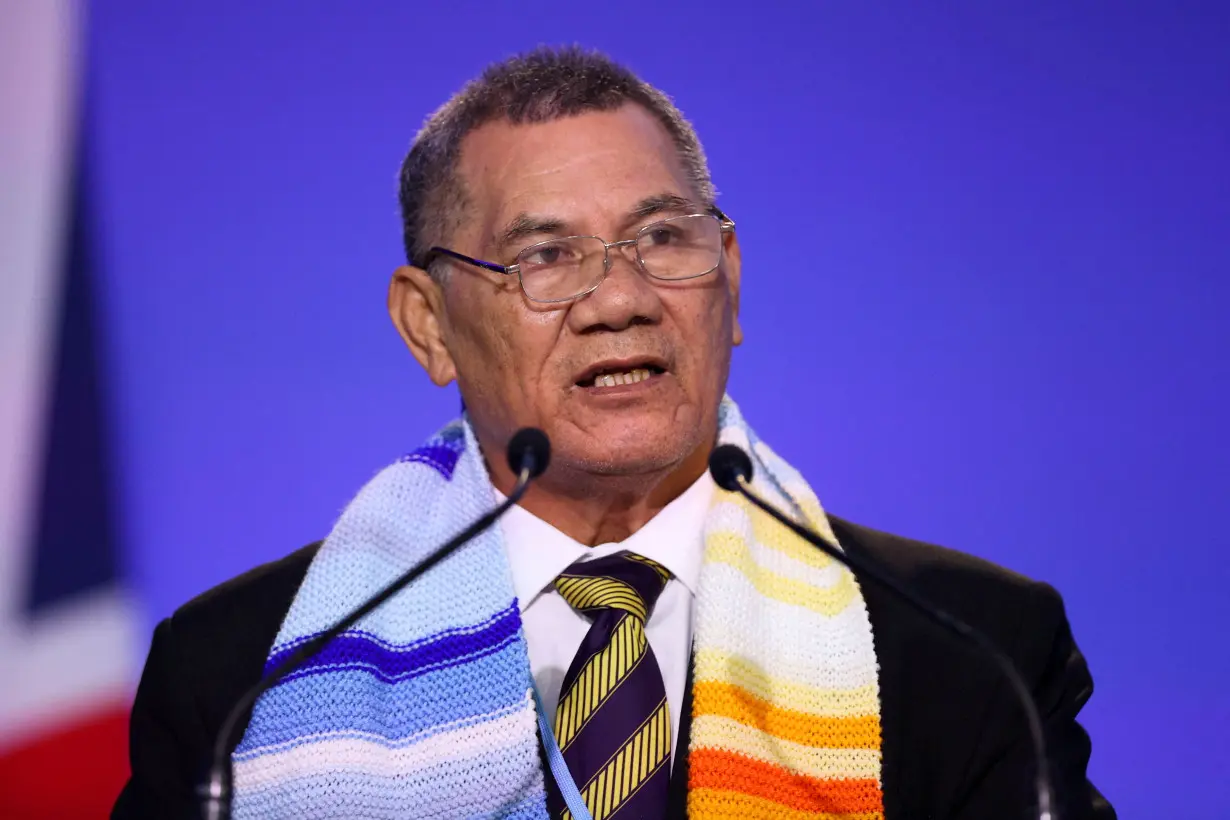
543	85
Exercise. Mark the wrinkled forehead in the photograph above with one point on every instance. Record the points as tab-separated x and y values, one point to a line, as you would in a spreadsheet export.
588	171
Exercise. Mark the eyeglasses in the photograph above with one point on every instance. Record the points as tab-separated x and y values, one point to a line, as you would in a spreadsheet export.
559	270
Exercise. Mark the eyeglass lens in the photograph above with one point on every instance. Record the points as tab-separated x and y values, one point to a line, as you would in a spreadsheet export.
681	247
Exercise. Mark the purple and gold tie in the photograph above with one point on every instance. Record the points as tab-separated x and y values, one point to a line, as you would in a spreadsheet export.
613	724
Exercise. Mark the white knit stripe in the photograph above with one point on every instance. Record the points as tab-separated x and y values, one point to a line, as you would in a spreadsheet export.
503	785
783	639
526	706
733	430
717	666
727	549
786	568
814	761
821	573
324	753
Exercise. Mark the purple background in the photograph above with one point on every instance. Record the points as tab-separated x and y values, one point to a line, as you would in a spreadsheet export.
986	290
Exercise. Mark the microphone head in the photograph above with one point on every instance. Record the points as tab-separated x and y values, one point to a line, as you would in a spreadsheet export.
529	449
728	464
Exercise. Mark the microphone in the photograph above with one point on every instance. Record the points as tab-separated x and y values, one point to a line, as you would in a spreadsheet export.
529	453
731	468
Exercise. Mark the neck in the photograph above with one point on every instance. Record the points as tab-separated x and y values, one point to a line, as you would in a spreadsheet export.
599	509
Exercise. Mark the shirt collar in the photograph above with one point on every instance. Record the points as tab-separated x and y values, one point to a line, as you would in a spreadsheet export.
538	552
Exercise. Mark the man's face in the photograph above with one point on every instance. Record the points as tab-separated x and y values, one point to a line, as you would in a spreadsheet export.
521	363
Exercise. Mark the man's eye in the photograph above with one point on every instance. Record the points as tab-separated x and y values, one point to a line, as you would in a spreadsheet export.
546	255
660	236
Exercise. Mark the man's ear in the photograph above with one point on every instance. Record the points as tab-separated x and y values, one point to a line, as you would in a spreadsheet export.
416	306
732	262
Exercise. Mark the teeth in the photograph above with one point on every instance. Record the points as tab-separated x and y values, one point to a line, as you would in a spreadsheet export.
615	379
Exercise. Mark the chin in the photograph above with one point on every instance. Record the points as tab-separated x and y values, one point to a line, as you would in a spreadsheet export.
626	451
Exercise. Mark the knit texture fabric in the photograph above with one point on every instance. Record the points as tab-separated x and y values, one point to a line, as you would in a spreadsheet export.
786	698
424	708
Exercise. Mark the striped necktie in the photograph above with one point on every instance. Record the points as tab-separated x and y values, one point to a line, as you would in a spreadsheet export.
612	723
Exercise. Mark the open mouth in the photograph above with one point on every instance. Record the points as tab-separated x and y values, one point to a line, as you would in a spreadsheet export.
618	375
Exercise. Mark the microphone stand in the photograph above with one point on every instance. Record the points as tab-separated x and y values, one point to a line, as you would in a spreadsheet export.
528	454
732	471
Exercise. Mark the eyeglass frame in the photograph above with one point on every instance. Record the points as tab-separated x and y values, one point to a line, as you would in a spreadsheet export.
725	225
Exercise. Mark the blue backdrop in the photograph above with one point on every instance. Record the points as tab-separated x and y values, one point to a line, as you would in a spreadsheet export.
986	290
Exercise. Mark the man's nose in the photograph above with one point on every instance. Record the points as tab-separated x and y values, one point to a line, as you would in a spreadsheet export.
624	298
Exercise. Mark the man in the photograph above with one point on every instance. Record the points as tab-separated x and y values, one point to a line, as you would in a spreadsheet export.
570	270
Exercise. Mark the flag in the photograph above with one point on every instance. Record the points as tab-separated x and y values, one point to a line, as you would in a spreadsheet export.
67	624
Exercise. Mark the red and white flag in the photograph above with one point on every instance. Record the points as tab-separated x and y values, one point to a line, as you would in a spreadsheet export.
68	633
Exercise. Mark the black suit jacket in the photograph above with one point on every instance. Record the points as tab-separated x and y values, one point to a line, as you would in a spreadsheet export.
955	744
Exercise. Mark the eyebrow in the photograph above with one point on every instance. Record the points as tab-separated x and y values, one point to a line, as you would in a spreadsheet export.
525	225
664	203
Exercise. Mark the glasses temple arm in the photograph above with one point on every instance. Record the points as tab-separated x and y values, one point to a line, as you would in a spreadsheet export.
461	257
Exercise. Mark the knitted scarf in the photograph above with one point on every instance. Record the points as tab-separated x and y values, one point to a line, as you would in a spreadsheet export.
425	708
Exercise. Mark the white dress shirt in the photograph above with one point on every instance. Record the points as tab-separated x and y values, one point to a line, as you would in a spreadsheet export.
538	553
